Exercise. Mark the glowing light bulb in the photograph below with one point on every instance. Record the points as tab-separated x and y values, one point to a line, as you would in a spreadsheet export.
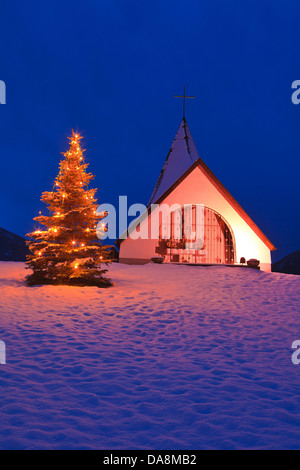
76	266
87	229
55	230
64	195
73	242
40	253
82	244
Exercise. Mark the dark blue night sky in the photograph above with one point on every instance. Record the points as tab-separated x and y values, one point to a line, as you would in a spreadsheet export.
110	70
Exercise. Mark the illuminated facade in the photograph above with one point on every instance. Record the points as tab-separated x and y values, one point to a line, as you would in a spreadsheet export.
202	205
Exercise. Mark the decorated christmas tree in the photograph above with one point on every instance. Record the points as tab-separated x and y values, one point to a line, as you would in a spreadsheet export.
67	250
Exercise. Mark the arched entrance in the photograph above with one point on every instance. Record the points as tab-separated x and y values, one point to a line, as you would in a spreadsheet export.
196	234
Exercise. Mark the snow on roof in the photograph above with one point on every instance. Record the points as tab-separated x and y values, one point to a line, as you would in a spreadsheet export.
182	155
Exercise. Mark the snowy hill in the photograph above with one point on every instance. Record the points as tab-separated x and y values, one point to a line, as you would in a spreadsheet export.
12	247
289	264
171	357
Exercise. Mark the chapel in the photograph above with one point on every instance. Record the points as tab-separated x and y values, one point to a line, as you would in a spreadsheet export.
201	222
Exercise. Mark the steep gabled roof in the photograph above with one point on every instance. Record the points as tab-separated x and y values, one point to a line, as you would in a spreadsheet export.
182	159
181	156
226	194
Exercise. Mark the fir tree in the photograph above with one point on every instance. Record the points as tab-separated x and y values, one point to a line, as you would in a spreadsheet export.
68	251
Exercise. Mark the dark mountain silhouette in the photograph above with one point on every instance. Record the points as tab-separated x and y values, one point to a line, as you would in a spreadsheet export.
290	264
12	247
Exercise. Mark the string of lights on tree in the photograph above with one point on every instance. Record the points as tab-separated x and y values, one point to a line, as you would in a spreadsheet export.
66	248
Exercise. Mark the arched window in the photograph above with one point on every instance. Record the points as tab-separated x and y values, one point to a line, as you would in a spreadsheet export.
196	234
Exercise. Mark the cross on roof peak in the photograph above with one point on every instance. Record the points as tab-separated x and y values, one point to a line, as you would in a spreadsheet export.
184	96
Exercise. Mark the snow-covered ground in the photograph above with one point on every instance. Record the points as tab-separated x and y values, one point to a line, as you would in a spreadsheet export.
171	357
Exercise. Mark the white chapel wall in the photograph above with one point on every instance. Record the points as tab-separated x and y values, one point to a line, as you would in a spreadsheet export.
196	188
